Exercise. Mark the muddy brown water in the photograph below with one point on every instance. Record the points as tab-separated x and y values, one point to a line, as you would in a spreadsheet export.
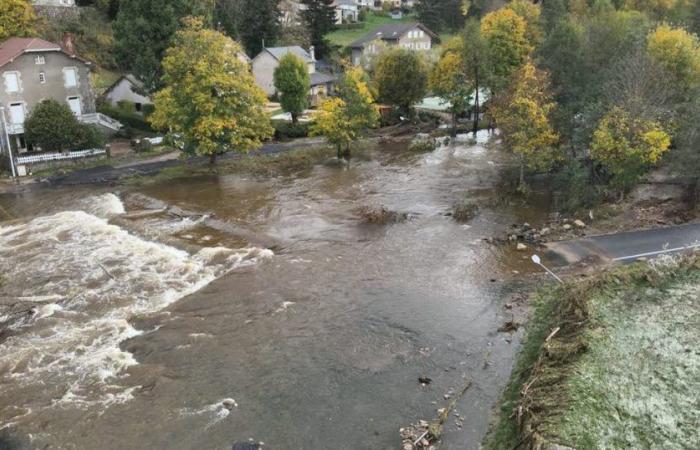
207	311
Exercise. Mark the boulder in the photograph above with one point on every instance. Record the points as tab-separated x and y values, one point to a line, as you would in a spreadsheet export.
521	247
580	223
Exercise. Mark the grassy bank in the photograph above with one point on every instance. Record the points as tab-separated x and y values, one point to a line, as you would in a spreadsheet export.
621	370
259	165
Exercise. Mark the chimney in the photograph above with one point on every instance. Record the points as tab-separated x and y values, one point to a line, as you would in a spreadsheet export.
312	52
68	45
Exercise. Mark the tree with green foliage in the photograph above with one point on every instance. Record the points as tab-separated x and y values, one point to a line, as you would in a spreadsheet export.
626	146
319	17
448	80
523	114
258	24
210	100
344	119
475	55
439	15
143	30
52	127
505	33
293	83
17	18
400	77
552	12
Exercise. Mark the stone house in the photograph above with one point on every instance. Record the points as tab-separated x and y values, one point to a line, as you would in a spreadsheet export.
413	36
53	3
32	70
265	63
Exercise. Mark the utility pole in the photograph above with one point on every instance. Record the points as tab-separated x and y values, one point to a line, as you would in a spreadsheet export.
7	139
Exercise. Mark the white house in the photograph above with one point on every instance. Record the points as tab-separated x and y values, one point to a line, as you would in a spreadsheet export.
346	11
128	89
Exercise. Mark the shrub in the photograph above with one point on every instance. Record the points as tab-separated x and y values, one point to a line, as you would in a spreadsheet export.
464	212
381	215
287	130
52	127
422	145
573	183
125	113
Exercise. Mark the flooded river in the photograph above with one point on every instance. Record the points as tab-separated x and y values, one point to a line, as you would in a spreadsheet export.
208	311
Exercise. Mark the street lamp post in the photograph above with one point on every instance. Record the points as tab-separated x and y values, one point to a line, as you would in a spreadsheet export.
536	259
7	139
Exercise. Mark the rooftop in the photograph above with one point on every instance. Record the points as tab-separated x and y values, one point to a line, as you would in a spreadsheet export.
279	52
390	32
15	46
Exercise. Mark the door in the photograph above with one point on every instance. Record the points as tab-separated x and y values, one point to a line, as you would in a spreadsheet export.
16	114
74	103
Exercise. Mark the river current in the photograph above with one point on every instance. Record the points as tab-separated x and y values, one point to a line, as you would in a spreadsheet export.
207	311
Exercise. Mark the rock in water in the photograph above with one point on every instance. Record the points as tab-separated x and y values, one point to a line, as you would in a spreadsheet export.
521	247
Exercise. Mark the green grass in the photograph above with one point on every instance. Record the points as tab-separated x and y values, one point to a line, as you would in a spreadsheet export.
620	371
345	37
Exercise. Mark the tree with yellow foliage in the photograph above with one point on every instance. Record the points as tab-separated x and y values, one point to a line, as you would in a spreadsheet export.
626	146
449	80
210	99
344	119
531	12
678	52
505	33
523	116
17	18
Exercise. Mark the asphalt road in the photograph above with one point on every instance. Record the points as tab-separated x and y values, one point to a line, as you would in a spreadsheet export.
628	246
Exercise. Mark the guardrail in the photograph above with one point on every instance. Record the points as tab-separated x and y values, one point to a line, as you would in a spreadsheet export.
45	157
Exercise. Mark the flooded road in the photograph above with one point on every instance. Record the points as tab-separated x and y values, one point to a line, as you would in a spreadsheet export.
213	310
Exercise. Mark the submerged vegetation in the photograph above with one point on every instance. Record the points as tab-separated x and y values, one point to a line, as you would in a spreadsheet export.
609	362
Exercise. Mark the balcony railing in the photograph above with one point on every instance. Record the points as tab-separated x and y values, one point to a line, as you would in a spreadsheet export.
101	119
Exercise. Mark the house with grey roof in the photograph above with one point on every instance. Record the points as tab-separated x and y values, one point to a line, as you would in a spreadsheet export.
413	36
265	63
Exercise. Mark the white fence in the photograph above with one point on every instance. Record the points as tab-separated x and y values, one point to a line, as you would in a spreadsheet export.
45	157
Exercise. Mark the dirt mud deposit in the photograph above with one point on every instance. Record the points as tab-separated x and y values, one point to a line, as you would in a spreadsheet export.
206	311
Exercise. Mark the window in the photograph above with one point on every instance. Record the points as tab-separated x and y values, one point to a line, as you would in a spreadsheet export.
11	82
16	113
74	104
42	77
420	33
39	60
70	77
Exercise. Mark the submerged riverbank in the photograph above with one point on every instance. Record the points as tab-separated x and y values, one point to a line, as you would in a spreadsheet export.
609	361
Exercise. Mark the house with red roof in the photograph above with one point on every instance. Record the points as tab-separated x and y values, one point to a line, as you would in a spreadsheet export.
32	70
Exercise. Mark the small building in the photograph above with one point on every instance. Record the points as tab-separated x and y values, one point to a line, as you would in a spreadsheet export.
265	63
32	70
346	11
413	36
128	89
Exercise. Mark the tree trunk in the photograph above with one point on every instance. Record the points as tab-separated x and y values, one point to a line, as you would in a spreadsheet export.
340	152
212	158
522	171
347	152
475	129
454	123
295	118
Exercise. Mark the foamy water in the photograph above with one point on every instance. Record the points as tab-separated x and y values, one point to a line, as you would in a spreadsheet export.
83	279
